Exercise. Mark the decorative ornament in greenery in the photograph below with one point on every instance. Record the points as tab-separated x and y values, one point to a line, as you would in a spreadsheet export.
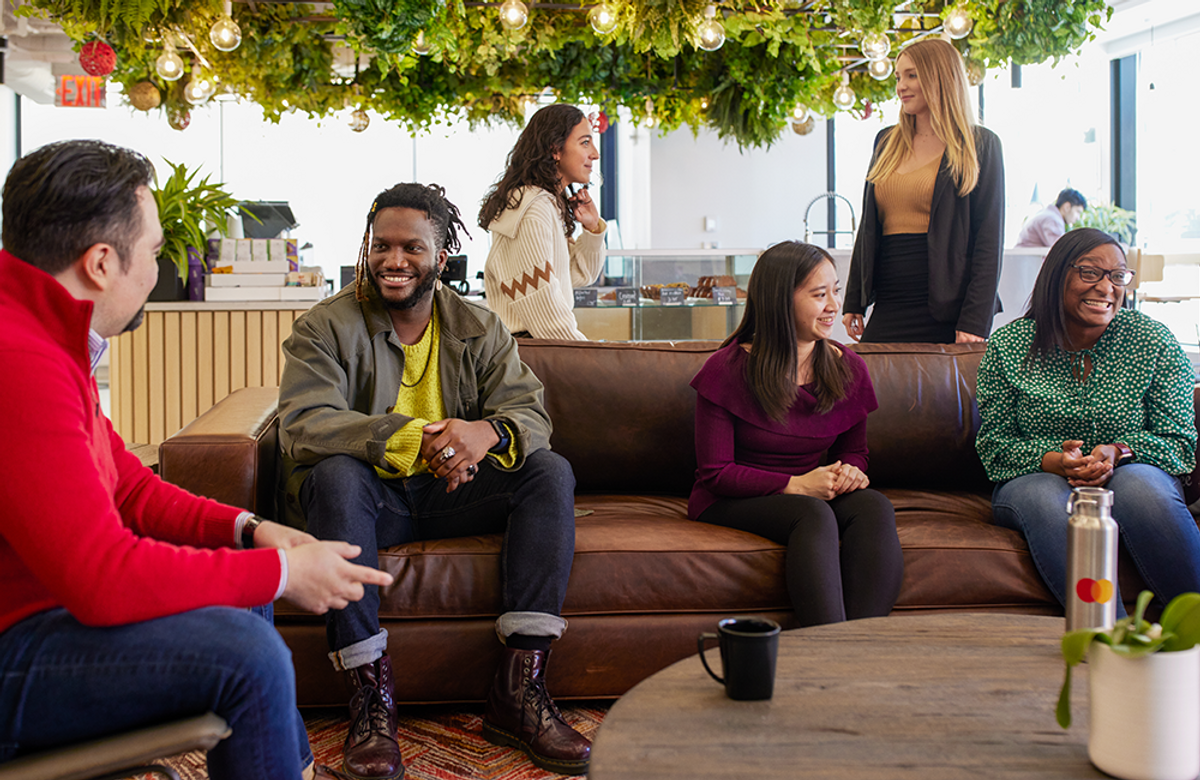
1132	636
1112	219
97	58
188	212
775	55
144	96
178	117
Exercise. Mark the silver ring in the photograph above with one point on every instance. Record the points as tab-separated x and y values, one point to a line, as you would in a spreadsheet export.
472	470
448	453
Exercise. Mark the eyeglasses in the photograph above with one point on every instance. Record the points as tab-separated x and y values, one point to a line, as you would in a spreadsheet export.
1090	274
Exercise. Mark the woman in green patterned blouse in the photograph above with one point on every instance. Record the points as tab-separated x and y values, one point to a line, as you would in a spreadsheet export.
1082	392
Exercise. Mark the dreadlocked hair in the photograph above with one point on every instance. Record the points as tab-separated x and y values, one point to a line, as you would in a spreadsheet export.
429	199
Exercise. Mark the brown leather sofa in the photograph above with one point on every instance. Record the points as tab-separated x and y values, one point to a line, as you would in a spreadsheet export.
645	579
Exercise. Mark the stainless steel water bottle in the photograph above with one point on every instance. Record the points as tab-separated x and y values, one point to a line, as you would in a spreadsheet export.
1091	559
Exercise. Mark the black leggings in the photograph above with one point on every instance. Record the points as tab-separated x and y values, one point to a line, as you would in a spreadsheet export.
825	585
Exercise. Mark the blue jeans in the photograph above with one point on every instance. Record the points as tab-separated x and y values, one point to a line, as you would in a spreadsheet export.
343	498
64	682
1155	527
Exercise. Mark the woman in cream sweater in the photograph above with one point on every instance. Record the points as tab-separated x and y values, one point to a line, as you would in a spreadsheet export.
535	262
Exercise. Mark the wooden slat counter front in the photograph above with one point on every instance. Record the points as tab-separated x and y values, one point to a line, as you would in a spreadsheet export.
187	356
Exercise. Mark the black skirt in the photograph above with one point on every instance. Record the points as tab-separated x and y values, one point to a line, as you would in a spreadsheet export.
901	288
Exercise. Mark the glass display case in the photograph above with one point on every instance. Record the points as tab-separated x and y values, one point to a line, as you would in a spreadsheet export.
666	294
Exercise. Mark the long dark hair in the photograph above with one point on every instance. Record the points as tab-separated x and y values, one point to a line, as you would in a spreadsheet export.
1046	302
531	163
769	326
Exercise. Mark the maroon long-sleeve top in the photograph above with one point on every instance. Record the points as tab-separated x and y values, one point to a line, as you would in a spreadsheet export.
742	453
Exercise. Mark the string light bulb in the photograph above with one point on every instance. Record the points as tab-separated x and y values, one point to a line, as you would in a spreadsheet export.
649	112
169	66
603	19
711	32
513	14
843	96
875	46
225	33
800	113
957	23
880	70
421	47
200	88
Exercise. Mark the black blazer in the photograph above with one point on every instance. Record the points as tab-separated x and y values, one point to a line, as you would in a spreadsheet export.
966	241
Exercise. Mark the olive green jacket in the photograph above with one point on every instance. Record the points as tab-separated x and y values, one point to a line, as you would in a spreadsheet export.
343	370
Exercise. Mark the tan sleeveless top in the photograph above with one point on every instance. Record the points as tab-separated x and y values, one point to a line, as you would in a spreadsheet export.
904	199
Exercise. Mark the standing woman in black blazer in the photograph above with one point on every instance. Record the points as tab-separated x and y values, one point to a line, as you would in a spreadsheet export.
928	250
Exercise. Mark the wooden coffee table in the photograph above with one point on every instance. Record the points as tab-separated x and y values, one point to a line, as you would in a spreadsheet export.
947	695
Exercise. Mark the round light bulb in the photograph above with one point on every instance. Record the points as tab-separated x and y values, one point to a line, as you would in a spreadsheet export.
711	33
704	103
800	113
843	96
875	46
513	14
880	69
199	89
359	120
421	46
957	23
225	34
168	65
603	19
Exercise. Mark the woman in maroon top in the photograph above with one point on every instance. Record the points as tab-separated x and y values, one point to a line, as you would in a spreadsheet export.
775	397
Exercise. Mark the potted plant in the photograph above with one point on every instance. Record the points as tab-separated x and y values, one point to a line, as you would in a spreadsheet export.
188	212
1144	684
1112	219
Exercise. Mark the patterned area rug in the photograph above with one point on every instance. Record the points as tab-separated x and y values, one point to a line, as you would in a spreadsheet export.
438	743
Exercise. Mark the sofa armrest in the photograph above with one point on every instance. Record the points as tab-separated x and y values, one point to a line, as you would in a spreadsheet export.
230	452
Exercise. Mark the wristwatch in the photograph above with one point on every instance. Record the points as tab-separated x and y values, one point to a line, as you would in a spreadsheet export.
253	522
1124	454
505	437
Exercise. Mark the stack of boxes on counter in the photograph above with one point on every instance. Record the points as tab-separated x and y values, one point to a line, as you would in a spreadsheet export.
260	269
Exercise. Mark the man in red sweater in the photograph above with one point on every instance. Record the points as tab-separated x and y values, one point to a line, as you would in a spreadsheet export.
124	600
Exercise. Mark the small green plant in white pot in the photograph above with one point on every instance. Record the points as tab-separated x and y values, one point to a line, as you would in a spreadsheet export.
1144	686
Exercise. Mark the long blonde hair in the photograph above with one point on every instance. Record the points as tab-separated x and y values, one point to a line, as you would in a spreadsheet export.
943	80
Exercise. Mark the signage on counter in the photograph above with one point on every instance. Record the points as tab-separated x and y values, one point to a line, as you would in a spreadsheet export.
674	296
585	298
724	296
627	296
79	91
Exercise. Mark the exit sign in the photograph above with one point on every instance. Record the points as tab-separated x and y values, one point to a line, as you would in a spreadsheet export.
81	92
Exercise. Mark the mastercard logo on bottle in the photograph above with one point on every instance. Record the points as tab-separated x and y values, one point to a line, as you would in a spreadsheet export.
1094	591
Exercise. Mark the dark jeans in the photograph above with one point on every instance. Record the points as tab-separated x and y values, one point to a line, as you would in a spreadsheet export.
843	555
64	682
533	507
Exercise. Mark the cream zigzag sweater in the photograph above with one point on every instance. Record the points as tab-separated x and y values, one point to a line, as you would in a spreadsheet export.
532	269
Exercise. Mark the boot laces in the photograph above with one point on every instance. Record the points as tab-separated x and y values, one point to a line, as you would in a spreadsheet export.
373	716
544	706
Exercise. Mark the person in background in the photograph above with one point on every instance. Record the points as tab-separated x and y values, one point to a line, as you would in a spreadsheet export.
770	402
1049	224
536	261
1080	392
405	413
927	254
123	599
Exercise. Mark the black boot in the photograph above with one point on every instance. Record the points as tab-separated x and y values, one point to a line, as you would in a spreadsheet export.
371	751
521	714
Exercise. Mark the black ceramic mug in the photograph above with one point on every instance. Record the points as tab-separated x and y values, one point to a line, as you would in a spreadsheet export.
749	646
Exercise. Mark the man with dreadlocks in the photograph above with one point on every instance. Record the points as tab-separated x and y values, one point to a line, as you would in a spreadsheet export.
407	414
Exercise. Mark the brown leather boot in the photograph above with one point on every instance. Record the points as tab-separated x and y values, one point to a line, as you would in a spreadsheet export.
521	714
371	751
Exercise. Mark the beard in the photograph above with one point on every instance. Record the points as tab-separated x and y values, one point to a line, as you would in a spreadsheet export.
136	321
420	292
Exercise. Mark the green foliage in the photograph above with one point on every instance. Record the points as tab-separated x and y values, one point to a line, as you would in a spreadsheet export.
774	56
1109	218
184	211
1132	637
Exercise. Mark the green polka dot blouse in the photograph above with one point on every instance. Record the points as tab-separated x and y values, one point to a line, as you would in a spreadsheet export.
1139	392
